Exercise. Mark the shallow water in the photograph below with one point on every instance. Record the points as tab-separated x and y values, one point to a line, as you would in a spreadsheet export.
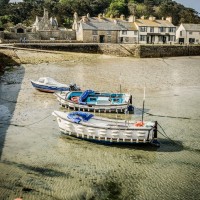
37	162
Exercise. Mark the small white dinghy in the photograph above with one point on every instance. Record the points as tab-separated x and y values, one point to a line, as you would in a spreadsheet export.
87	126
47	84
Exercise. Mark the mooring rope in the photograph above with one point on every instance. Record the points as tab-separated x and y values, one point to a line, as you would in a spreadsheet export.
20	125
168	116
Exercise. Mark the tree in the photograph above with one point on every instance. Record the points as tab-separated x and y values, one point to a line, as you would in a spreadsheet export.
116	8
141	10
3	3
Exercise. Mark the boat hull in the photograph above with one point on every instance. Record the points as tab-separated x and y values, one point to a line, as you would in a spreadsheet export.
50	89
122	134
103	108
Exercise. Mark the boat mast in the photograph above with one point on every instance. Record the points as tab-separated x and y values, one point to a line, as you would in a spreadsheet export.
120	83
143	106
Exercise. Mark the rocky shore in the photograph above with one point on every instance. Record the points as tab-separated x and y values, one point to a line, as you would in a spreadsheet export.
15	57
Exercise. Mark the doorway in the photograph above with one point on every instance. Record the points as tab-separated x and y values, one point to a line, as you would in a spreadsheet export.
181	41
20	30
102	38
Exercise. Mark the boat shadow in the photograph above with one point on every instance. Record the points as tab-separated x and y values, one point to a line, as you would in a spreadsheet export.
165	144
10	85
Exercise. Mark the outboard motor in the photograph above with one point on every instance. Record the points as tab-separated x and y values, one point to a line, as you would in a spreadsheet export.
73	87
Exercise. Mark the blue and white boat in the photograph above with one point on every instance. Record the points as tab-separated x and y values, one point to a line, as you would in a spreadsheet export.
47	84
87	126
92	101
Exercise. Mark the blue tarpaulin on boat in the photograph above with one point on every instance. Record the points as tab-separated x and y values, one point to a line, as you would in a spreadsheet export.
84	95
79	116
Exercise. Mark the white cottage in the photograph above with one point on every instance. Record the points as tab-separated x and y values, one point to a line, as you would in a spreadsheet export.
188	34
156	31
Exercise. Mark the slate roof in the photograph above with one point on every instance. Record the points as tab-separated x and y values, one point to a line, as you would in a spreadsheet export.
153	23
108	24
191	27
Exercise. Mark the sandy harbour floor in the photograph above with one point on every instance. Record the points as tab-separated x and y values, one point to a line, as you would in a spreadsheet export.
37	162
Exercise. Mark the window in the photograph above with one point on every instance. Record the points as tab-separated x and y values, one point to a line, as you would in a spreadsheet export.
135	32
94	38
143	29
124	32
181	33
172	29
191	40
162	29
160	38
94	32
190	32
143	37
108	32
151	29
171	38
109	38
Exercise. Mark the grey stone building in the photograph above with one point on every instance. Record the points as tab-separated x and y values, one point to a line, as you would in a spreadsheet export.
104	30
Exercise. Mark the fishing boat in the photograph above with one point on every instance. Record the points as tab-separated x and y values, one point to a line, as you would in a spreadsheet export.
87	126
47	84
92	101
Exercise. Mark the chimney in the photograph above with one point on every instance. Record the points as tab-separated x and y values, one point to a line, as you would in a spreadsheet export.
122	17
142	17
169	19
85	19
46	15
37	19
131	18
75	16
151	18
100	16
88	15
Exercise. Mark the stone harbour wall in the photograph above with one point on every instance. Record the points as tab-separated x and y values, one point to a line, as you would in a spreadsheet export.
124	50
156	51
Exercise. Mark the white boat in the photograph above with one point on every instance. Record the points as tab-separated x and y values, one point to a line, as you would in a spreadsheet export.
47	84
92	101
87	126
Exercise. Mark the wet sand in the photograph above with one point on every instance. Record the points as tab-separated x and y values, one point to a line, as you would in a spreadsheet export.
37	162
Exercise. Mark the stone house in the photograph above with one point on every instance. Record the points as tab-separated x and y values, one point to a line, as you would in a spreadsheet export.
120	30
47	28
155	31
103	30
20	28
188	34
44	23
44	28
